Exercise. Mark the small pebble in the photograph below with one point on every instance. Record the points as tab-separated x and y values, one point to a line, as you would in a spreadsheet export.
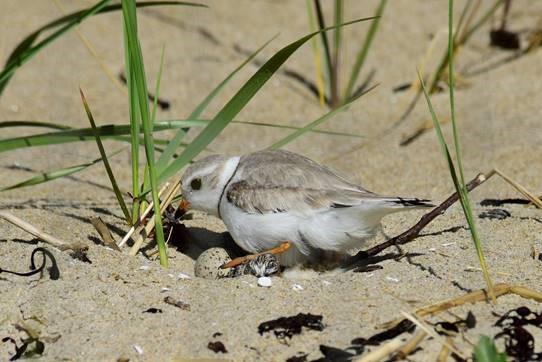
209	262
392	279
265	282
144	267
164	289
297	287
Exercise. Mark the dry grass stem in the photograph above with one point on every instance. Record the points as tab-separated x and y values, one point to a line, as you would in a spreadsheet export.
104	232
411	344
138	224
169	195
535	200
57	243
445	351
383	351
430	331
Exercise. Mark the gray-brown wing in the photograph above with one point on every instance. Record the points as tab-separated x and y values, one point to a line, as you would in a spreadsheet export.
279	181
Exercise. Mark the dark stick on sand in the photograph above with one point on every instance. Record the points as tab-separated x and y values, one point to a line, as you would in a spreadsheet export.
414	231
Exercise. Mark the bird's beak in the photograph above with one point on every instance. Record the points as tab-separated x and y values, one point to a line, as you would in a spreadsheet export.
185	205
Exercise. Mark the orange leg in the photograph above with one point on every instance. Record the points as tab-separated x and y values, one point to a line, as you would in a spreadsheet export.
245	259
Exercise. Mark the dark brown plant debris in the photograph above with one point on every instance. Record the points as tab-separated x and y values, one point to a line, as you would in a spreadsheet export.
217	334
288	326
519	342
336	354
498	214
177	303
81	255
368	268
153	310
452	328
504	39
500	202
217	347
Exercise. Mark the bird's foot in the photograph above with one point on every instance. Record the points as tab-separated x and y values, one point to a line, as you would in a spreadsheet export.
245	259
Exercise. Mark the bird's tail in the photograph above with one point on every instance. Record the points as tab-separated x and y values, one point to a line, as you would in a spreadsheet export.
406	202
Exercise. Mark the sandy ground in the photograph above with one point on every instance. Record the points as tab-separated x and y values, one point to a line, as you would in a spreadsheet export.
94	312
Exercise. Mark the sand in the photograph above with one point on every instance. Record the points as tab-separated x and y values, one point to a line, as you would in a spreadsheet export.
95	312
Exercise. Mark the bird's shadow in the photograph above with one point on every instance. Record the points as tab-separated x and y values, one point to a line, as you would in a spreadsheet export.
192	241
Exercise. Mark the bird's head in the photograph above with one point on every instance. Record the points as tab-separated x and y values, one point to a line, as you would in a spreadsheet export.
203	182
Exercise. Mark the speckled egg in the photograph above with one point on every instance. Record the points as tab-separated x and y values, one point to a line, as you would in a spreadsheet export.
209	262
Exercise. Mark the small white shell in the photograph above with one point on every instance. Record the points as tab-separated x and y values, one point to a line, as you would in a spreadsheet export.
265	282
209	262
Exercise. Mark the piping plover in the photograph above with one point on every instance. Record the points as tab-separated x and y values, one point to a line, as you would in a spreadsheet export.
285	201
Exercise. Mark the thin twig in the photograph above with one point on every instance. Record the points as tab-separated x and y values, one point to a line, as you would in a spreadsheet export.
414	231
57	243
411	345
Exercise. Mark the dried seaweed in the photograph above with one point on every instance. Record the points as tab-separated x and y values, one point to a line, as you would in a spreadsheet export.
53	271
288	326
153	310
217	347
499	214
81	255
452	328
518	341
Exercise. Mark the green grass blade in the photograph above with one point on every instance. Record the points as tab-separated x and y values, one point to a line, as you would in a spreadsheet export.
462	186
38	124
52	175
24	51
276	125
316	123
334	81
107	166
146	180
135	127
461	191
486	351
451	87
170	149
137	67
238	102
87	134
325	42
317	57
362	54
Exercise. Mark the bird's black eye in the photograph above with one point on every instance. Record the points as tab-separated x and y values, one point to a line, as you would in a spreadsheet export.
195	184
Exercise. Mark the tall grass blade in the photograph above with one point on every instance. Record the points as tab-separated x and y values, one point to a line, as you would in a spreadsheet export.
309	127
463	187
108	169
238	102
319	76
335	74
146	180
38	124
52	175
362	54
87	134
135	126
325	41
170	149
137	67
25	50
